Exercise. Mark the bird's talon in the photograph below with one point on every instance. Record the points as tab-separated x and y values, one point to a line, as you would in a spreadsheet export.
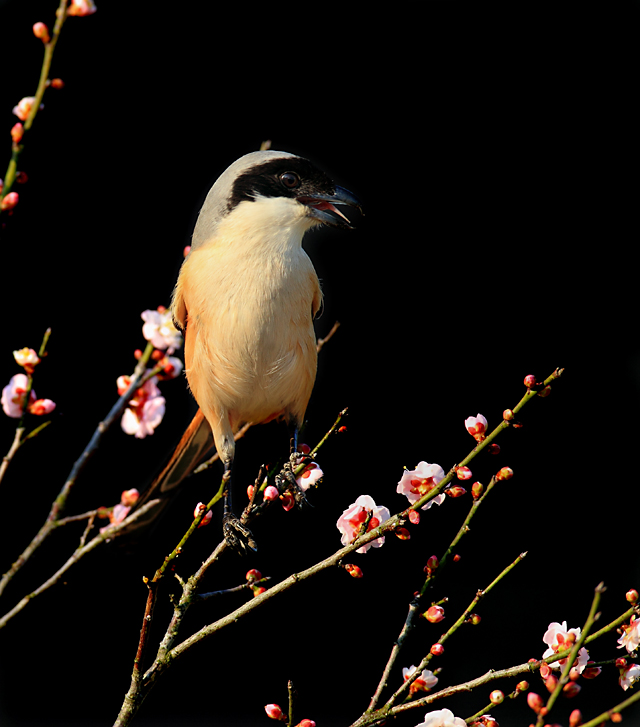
237	536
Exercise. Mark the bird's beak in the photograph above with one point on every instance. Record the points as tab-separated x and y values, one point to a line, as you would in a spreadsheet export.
321	206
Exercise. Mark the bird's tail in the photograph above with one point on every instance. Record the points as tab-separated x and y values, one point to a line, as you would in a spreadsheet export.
190	451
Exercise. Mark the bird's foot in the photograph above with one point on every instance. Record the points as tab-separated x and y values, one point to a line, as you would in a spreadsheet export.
237	536
286	480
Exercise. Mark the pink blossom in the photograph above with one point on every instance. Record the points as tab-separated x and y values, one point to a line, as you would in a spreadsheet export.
9	201
630	676
81	8
24	106
275	712
441	718
352	519
559	638
476	426
631	637
415	484
14	394
159	330
40	407
309	476
142	420
424	682
171	367
27	358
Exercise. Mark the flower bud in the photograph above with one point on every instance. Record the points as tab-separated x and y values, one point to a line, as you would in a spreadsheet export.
529	381
463	473
456	491
57	83
41	31
522	686
432	564
506	473
621	662
571	689
437	650
402	533
40	407
632	595
414	517
434	614
551	682
493	448
129	497
353	570
17	132
457	558
545	670
476	490
591	672
306	723
270	493
544	392
575	718
474	619
535	702
496	697
201	507
253	575
9	201
257	590
274	711
508	415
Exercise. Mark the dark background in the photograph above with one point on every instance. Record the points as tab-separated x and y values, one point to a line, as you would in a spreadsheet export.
494	149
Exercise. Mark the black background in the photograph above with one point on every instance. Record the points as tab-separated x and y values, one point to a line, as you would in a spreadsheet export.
495	152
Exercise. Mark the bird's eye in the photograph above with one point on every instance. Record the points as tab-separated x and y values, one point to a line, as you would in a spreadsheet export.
290	180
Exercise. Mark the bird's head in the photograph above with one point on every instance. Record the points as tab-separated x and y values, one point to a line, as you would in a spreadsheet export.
288	185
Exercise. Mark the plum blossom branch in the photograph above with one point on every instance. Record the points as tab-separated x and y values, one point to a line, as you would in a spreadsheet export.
60	502
79	553
16	149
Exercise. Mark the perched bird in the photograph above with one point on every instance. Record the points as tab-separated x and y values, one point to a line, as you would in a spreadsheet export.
246	297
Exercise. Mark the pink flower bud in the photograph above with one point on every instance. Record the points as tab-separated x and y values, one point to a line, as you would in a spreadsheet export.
591	672
496	697
476	426
475	619
40	407
81	8
253	575
437	650
402	534
288	501
432	564
506	473
535	702
41	31
456	491
545	392
476	490
9	201
258	590
434	614
457	558
522	686
571	689
632	595
493	448
129	497
306	723
57	83
529	381
274	711
621	662
575	718
270	493
551	682
17	132
508	415
200	507
353	570
463	473
545	670
414	517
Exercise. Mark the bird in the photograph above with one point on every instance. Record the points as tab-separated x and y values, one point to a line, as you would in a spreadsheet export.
246	297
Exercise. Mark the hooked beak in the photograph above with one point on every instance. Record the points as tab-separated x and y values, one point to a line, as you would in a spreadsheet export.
321	207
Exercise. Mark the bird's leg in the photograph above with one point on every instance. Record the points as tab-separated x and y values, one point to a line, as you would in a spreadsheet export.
235	533
287	470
